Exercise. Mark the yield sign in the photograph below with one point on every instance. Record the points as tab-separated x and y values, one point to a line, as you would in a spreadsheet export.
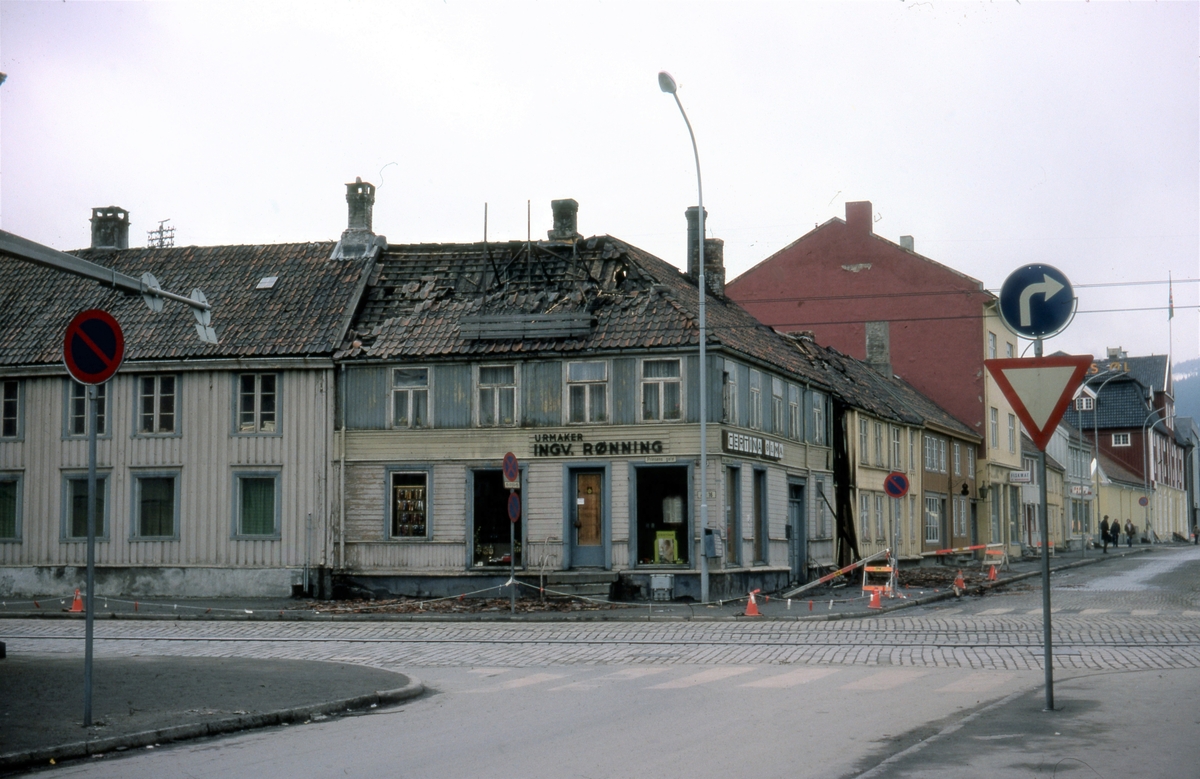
1039	389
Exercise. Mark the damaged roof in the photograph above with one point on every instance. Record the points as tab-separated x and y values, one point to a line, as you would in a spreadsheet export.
516	299
302	313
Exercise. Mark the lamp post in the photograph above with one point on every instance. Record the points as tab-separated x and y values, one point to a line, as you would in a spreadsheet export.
1096	440
1146	462
667	84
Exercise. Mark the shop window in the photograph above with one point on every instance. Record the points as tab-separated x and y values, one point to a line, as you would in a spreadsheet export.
10	408
729	398
155	506
409	504
76	506
496	540
10	507
755	420
733	508
77	411
257	504
156	404
410	397
497	396
587	391
256	402
661	390
662	516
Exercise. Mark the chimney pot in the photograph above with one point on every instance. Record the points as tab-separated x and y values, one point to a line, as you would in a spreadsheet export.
566	217
357	239
110	228
859	218
906	242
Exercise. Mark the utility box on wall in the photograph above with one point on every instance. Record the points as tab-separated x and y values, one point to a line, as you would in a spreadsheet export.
662	586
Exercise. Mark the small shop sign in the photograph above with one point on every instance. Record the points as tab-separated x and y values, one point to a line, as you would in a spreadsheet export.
576	445
739	443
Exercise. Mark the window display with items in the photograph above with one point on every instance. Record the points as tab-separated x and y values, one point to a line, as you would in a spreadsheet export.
409	505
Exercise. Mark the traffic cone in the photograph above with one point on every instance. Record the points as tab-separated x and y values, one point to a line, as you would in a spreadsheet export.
875	602
992	574
752	606
77	604
959	584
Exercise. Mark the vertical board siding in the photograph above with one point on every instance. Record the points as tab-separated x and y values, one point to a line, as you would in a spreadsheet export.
366	397
743	392
691	365
542	393
451	405
204	456
624	390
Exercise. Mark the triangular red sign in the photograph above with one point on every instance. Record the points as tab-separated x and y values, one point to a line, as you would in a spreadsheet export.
1039	389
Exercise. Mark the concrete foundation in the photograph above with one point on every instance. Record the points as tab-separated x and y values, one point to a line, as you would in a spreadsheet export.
147	582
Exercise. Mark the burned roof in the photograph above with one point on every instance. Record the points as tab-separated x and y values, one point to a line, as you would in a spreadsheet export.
523	299
302	313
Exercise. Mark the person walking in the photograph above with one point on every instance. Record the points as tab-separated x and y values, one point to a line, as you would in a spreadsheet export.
1104	532
1129	531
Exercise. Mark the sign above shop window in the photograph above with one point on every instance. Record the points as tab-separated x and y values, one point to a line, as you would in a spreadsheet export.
739	443
575	445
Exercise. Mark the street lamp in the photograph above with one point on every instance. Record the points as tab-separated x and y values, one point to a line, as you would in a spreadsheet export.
1096	439
1146	462
667	84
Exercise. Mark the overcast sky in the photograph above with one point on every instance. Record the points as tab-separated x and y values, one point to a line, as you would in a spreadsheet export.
996	133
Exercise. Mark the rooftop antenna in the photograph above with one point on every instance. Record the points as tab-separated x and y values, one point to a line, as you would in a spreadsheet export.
161	238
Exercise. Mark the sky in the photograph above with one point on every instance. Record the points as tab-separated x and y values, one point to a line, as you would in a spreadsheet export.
998	134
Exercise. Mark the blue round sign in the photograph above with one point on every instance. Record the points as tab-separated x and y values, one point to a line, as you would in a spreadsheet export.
1037	301
514	506
896	484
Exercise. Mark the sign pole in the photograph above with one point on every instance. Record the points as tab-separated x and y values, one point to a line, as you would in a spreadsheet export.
512	561
93	424
1048	659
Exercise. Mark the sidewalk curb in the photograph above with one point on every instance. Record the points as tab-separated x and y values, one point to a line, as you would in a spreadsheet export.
16	760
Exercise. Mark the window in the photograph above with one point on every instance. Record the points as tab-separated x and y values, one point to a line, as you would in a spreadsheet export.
912	519
1084	403
794	429
154	504
935	454
1120	439
733	507
960	516
156	404
497	395
729	398
76	506
256	504
826	522
897	452
1012	433
970	462
409	504
941	455
991	347
10	507
912	451
256	402
879	450
410	397
864	453
994	417
10	416
1009	350
818	418
933	519
777	423
661	390
879	516
1031	466
996	495
864	514
587	391
755	421
957	459
77	422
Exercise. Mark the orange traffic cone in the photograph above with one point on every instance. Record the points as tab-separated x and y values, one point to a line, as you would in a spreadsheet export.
77	604
992	574
959	584
875	602
752	606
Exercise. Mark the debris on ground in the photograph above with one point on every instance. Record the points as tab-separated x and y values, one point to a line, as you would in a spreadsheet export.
939	577
455	606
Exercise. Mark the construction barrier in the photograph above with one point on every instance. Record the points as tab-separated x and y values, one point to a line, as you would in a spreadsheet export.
956	550
835	574
1038	546
995	554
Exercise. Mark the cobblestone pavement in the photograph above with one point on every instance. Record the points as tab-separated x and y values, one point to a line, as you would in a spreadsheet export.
1140	613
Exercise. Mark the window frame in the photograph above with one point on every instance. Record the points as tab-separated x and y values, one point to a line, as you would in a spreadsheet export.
138	397
18	478
754	417
795	418
818	434
103	486
897	449
408	469
497	394
933	519
880	533
994	425
864	514
879	449
409	389
19	409
957	452
69	416
135	504
237	533
729	395
661	382
1012	433
970	461
864	437
1085	403
991	346
1121	440
257	412
587	385
778	404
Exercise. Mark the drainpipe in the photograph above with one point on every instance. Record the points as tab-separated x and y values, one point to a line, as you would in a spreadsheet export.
342	479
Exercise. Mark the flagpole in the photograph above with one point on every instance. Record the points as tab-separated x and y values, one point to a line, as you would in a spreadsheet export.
1170	321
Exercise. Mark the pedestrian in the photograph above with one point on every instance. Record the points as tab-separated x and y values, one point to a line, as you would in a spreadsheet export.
1104	532
1196	534
1129	531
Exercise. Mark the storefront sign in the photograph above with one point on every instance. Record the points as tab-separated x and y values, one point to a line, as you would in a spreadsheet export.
574	445
738	443
1020	477
1081	491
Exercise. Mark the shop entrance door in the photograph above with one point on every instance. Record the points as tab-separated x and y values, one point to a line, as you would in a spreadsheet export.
797	533
587	521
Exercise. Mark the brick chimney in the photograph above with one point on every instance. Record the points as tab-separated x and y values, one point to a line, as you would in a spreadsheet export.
357	239
858	217
566	215
714	256
110	228
879	351
906	242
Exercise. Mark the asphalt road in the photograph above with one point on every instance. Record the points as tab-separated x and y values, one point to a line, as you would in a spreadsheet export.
955	690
